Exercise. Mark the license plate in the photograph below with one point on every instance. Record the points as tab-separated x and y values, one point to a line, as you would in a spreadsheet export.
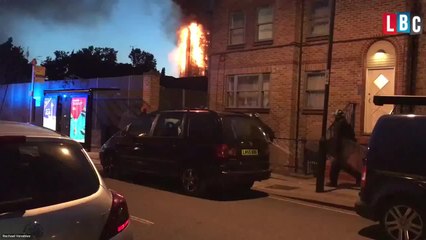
249	152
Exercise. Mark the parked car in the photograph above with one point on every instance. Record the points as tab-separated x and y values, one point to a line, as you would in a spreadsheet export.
393	187
202	148
49	189
267	129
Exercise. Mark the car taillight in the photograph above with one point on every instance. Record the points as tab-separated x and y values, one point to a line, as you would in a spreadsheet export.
364	175
223	152
118	218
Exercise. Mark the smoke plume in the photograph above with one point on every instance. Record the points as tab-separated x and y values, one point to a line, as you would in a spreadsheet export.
198	10
55	12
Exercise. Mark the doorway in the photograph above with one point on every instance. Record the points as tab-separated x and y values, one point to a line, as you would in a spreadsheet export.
379	82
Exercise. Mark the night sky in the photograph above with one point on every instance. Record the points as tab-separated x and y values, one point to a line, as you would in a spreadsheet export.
44	26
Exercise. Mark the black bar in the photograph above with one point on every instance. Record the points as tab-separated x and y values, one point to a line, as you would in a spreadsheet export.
322	144
80	90
89	114
400	100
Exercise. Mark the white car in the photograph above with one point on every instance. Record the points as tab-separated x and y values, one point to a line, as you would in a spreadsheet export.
50	189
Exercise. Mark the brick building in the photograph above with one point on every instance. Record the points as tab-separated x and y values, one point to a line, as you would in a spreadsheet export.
269	56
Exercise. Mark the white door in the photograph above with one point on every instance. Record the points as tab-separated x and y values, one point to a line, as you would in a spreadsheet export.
379	82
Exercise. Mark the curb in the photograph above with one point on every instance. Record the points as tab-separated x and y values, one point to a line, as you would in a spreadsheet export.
322	203
319	202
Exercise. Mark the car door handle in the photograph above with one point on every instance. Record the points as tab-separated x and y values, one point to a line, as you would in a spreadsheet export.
137	148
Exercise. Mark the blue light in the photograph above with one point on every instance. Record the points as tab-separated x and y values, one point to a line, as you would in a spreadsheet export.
37	101
64	96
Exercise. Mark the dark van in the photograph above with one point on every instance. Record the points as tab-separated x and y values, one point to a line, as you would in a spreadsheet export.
202	148
393	188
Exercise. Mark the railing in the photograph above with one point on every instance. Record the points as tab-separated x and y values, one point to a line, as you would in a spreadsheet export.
311	157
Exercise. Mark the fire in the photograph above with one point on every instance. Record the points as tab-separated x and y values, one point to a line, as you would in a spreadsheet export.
190	55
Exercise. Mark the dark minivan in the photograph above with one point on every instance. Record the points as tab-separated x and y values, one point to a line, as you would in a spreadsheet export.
393	189
202	148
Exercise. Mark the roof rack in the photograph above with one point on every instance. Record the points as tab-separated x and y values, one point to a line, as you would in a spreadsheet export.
400	100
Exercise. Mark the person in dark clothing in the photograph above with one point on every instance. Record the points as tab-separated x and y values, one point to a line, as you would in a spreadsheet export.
343	133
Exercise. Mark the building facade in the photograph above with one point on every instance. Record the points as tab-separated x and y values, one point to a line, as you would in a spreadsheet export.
270	57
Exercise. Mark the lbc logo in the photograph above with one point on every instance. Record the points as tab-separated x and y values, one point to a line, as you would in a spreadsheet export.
402	23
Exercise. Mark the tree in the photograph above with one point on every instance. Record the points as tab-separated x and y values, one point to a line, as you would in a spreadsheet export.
142	61
92	62
87	62
57	68
14	67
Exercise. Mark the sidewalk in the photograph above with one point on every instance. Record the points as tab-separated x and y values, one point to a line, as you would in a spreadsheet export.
303	189
298	188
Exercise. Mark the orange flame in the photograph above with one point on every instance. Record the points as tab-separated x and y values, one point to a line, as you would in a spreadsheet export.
190	55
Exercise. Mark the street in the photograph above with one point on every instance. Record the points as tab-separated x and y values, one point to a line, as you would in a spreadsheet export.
159	211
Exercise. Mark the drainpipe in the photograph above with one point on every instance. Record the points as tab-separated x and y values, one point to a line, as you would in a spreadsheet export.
412	55
299	84
323	150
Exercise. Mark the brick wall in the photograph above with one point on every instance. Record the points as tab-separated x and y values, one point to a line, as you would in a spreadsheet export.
358	25
151	90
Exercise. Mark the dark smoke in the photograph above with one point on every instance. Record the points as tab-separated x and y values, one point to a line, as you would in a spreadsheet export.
54	12
198	10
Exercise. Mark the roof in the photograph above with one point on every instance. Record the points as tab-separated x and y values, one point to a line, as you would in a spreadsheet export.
221	113
25	129
400	100
189	83
404	116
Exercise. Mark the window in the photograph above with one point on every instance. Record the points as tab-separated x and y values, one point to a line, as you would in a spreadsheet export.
203	127
265	18
242	128
236	28
141	126
320	18
169	125
43	173
248	91
315	84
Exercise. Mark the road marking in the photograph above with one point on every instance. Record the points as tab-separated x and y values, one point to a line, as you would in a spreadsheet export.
314	205
141	220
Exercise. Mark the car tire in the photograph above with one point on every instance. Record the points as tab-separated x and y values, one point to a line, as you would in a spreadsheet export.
246	186
243	187
192	181
402	220
109	168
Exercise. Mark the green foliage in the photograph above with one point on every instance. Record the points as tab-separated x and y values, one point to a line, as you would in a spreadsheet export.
14	67
142	61
92	62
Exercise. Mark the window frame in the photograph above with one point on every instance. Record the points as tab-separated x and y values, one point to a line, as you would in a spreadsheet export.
308	91
157	121
231	28
267	23
313	18
260	91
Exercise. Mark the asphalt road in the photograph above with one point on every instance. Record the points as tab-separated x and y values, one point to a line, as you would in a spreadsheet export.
160	212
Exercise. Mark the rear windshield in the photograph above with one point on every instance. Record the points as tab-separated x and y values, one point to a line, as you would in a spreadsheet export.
397	144
242	128
37	174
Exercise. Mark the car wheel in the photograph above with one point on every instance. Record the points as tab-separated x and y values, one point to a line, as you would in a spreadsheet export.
192	182
244	187
403	221
109	168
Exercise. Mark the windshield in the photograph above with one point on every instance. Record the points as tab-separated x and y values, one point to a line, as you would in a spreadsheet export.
37	174
242	128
